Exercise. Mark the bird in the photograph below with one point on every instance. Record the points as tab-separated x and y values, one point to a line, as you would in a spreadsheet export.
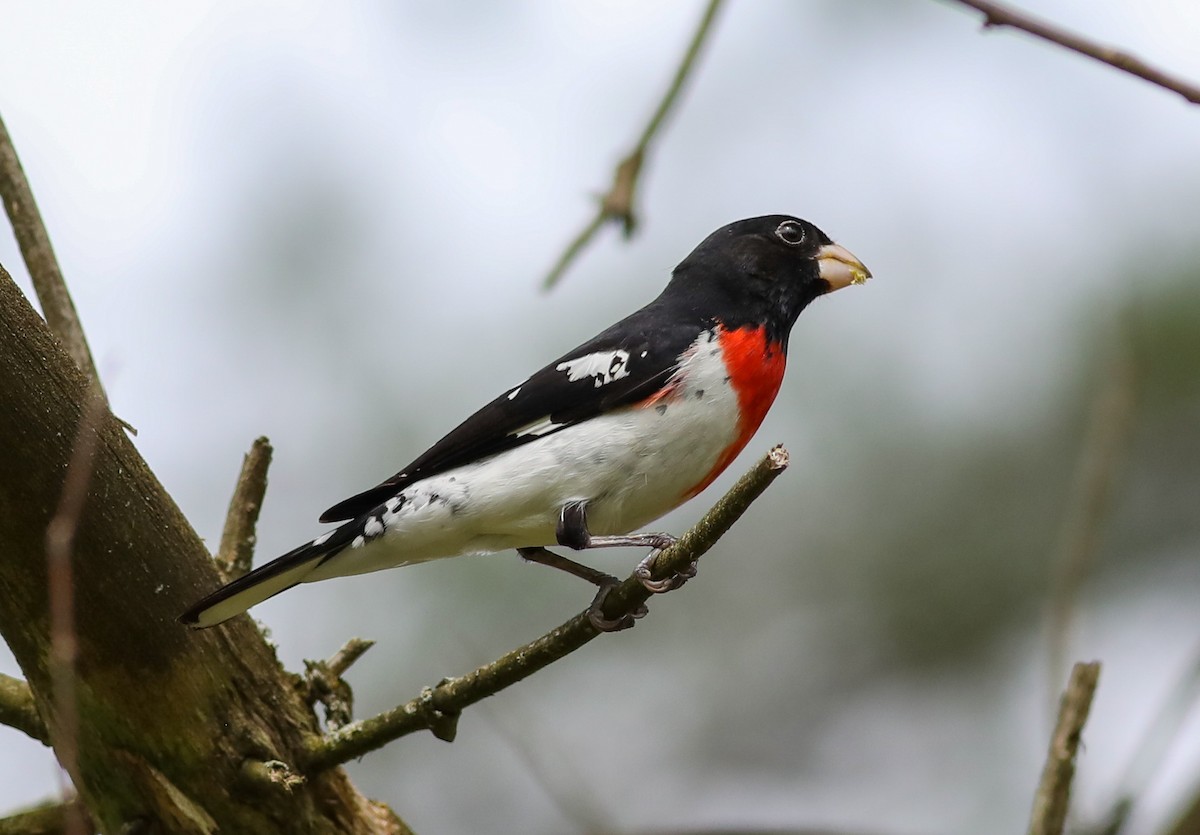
599	443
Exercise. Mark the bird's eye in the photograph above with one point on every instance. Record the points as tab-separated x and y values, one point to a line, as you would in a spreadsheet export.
790	232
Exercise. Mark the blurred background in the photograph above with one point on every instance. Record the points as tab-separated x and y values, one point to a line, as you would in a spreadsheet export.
328	223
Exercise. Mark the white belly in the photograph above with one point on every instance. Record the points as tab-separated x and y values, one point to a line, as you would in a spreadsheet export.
631	466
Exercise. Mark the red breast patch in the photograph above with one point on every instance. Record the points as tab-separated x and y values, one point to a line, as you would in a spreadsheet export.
755	367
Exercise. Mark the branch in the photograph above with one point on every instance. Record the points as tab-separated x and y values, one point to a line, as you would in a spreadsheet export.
17	709
437	708
996	14
50	818
34	241
1054	790
235	554
617	204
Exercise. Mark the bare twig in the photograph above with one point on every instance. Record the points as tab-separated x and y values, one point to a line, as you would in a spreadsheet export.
437	708
1105	448
575	247
235	554
997	14
34	241
617	204
49	818
1054	790
323	683
17	709
60	545
344	658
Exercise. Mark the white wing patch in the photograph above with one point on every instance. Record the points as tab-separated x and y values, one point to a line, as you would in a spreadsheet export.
603	366
539	427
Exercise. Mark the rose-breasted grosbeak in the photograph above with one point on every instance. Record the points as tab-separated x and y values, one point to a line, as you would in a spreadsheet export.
603	440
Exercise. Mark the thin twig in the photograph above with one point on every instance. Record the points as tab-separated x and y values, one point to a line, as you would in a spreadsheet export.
437	708
1101	459
617	203
18	710
344	658
235	554
997	14
50	818
574	248
60	546
44	272
1054	790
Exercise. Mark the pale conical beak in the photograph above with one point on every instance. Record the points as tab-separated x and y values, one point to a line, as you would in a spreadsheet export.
840	268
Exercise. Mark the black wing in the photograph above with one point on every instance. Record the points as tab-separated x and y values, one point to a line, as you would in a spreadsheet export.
623	365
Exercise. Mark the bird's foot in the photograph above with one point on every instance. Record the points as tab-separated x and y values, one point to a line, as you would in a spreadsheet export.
656	541
644	573
595	612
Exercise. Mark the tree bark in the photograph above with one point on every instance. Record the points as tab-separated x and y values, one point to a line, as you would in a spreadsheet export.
173	724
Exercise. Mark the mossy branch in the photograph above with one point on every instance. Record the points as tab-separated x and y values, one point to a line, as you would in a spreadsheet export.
54	817
18	710
437	708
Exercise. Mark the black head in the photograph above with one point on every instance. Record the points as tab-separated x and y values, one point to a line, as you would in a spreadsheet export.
763	270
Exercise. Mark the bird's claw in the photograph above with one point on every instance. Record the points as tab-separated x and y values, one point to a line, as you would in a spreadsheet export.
600	623
660	542
666	584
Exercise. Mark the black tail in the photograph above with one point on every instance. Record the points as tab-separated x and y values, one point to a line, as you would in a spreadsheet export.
268	580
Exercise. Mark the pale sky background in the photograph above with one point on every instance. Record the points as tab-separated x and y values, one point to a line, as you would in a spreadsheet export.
327	223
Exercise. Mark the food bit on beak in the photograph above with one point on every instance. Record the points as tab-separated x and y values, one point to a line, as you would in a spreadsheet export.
840	268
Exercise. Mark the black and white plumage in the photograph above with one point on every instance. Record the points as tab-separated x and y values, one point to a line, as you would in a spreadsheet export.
627	425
